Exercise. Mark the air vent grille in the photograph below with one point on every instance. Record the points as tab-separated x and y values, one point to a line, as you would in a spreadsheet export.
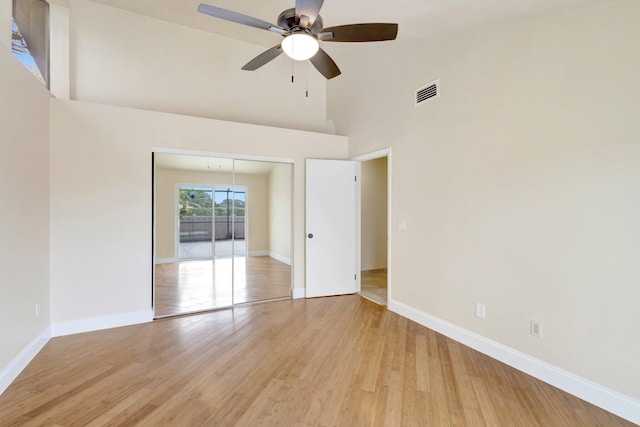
427	92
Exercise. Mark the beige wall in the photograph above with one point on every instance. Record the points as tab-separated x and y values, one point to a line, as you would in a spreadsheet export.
24	217
122	58
167	180
5	28
280	211
520	185
373	225
101	254
165	215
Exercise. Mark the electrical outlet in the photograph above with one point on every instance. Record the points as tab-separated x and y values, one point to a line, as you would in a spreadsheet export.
402	225
38	310
536	329
480	311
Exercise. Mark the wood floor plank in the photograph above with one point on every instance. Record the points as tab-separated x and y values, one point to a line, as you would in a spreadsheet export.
485	403
422	364
340	361
393	415
127	411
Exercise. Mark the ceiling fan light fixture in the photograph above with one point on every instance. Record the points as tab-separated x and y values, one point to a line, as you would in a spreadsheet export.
300	46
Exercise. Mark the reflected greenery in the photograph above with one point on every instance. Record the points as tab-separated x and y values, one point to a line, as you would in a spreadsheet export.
195	202
21	51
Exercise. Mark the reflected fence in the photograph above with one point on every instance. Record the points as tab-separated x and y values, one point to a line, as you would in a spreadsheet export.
201	228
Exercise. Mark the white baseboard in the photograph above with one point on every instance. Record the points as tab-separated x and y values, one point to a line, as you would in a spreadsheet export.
280	258
607	399
259	253
13	369
298	293
103	322
271	254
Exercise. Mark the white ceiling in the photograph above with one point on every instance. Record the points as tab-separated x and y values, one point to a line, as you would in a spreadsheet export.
417	19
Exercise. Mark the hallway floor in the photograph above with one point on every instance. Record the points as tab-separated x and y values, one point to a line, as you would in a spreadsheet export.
374	285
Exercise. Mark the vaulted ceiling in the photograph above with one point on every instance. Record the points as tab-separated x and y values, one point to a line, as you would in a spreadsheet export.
417	19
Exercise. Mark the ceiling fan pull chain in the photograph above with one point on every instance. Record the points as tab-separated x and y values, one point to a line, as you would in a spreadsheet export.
292	71
307	91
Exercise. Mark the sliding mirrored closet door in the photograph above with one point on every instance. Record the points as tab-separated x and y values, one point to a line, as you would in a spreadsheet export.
222	232
262	269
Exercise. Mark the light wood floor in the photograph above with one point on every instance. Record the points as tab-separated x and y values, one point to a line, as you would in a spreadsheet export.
373	285
320	362
189	286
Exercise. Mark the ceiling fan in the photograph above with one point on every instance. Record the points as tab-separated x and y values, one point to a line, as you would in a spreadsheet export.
302	28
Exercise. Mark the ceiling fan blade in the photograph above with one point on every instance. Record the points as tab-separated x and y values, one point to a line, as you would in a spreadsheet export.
263	58
325	65
360	33
239	18
308	8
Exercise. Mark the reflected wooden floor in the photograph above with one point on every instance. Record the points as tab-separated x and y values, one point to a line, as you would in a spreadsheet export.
189	286
373	285
340	361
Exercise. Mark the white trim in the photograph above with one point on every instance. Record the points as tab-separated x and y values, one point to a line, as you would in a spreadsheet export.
389	224
258	253
385	152
165	260
176	224
298	293
15	367
102	322
372	156
154	236
247	213
222	155
607	399
279	257
358	231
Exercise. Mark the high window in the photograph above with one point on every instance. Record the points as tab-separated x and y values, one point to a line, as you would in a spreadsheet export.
30	36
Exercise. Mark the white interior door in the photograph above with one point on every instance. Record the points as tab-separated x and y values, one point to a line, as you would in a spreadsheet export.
330	227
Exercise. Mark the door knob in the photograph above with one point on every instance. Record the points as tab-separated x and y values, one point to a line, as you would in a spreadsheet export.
310	236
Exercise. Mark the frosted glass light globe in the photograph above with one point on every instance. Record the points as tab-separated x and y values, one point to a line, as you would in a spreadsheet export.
300	46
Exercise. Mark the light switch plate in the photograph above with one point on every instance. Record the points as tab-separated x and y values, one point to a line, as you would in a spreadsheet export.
536	329
480	310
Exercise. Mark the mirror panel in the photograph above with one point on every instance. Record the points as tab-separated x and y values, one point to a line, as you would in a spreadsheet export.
193	266
222	232
263	272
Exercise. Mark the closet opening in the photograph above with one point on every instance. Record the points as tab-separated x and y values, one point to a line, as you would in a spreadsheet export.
222	232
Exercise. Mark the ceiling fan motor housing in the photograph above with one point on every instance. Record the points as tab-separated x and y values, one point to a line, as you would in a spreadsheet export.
288	21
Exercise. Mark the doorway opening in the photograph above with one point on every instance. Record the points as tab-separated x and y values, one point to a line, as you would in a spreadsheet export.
222	232
374	220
